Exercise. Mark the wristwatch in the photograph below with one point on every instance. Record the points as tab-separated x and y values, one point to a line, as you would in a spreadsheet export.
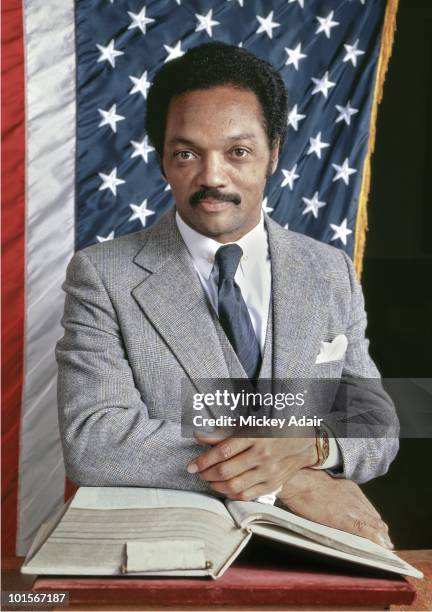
322	445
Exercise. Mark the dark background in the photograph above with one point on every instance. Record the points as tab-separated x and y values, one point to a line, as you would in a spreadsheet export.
397	276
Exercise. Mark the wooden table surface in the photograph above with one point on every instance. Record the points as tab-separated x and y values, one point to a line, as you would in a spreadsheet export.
422	559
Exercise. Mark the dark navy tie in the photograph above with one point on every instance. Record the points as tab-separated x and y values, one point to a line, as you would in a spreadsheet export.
233	313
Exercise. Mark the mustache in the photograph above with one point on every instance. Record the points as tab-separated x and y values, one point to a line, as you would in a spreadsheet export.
214	194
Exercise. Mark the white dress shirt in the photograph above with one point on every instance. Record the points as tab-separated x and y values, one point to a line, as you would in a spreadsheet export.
253	276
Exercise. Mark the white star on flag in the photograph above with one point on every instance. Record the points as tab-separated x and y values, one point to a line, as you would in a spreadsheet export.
313	205
206	22
289	177
267	25
315	145
139	20
141	148
294	56
326	24
110	117
352	52
105	238
110	181
141	85
301	2
286	226
343	172
140	212
294	117
266	208
322	85
340	231
345	113
239	1
173	52
108	53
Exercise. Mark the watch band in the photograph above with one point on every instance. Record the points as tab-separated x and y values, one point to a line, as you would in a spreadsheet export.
322	445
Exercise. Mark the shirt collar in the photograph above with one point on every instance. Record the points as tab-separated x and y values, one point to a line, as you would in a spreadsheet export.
203	249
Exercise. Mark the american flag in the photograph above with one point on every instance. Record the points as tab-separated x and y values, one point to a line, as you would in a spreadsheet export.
91	173
327	54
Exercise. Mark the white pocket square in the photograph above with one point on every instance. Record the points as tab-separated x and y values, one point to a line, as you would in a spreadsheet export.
334	350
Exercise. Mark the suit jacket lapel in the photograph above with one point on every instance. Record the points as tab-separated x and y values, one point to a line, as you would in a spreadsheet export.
299	297
173	299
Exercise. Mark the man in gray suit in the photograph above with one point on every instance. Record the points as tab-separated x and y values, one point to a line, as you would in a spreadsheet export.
215	289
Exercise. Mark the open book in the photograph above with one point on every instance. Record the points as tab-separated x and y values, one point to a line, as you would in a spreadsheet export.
162	532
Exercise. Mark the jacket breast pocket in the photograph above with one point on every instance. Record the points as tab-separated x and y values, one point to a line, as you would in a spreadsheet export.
328	369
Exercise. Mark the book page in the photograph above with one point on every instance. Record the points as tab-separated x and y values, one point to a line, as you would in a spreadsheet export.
392	564
124	498
247	513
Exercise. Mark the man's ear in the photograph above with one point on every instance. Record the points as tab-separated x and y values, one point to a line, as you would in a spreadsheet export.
274	156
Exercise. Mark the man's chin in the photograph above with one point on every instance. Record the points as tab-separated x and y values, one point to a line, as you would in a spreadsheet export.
216	226
214	218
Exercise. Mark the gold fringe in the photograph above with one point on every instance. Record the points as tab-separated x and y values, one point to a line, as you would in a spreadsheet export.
389	28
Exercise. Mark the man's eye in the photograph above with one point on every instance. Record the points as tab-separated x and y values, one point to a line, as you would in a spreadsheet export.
183	155
240	153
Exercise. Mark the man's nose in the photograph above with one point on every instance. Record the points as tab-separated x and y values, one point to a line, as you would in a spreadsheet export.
212	171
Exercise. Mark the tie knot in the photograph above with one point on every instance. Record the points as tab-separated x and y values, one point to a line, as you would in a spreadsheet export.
227	258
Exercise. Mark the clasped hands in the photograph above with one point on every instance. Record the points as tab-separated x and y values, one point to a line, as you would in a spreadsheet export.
246	468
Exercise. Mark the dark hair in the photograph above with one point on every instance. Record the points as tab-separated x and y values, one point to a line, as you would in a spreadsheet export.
214	64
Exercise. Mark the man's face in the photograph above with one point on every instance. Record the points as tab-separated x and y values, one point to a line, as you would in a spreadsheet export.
216	159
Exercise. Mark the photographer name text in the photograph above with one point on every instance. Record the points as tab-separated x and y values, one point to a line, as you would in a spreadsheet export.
201	421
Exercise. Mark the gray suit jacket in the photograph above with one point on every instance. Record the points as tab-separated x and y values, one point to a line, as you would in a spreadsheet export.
137	322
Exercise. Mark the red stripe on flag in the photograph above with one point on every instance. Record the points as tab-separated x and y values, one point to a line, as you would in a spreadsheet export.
13	236
70	489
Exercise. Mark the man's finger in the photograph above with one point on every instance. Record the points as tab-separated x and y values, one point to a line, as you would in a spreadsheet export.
367	527
382	529
211	439
249	494
259	490
220	452
235	488
226	470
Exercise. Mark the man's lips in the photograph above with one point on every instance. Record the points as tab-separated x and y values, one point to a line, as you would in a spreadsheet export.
212	205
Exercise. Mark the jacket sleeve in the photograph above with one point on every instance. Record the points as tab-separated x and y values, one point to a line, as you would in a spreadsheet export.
369	422
108	438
